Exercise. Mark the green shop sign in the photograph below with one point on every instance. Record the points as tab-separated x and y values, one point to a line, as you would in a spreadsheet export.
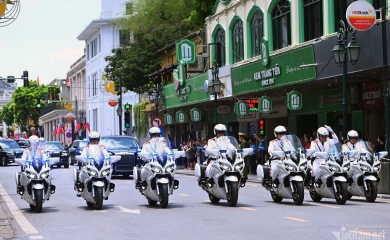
294	100
185	50
168	119
265	104
241	108
282	70
181	117
196	115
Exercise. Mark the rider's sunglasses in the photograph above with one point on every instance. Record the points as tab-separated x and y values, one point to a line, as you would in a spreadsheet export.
281	133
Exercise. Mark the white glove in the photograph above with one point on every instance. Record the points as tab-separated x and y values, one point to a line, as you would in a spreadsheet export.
329	128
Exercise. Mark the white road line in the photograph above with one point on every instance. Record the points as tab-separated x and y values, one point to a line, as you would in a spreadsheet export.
323	205
24	224
297	219
183	195
248	208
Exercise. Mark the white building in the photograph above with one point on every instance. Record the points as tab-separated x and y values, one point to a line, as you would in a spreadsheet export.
6	91
100	37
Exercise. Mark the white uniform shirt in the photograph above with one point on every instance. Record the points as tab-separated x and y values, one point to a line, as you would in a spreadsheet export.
278	145
94	151
222	143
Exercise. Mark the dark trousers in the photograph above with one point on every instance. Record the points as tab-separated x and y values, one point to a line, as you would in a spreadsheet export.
261	157
253	164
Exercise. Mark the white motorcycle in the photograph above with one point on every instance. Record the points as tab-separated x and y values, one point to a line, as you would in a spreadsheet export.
289	175
225	177
331	178
156	180
34	181
363	176
94	177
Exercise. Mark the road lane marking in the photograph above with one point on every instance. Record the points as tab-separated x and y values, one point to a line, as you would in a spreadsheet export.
374	235
297	219
323	205
248	208
127	210
183	195
24	224
37	237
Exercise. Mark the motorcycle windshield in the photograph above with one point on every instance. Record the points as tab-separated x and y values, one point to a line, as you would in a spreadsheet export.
227	143
37	164
335	152
162	147
294	140
367	145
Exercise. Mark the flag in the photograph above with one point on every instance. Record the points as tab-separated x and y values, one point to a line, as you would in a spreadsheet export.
38	80
54	131
86	127
60	129
76	126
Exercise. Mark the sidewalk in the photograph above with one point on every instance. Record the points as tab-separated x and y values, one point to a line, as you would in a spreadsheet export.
251	178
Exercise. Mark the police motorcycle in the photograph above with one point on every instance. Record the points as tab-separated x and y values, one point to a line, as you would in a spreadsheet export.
225	176
34	181
94	177
156	179
331	178
363	175
288	177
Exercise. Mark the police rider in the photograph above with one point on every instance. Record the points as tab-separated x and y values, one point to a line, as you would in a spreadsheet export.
280	143
354	143
322	144
218	142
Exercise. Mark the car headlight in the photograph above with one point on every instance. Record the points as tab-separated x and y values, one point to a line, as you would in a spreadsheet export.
239	166
224	166
45	174
106	172
31	175
92	172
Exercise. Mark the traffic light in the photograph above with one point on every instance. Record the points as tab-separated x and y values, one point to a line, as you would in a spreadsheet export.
128	107
10	79
26	83
261	126
127	119
39	105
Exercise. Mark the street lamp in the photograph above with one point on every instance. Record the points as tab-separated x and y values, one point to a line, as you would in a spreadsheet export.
119	111
342	53
215	87
157	97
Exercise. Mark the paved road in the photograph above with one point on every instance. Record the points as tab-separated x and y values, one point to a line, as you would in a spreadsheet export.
190	215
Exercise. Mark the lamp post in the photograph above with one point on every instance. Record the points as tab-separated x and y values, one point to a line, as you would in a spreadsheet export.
215	87
342	52
119	110
156	96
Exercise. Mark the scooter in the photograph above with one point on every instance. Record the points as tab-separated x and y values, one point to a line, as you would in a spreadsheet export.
225	177
288	177
93	180
156	180
34	181
331	178
363	176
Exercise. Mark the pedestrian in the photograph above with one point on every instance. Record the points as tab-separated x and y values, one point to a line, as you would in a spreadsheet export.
305	142
381	144
243	144
190	155
252	144
184	148
261	149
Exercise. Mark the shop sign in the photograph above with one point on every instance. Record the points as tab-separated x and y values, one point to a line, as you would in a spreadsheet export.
264	52
265	104
267	76
185	50
224	109
196	115
241	108
168	119
252	103
361	15
294	100
181	117
372	94
182	93
179	74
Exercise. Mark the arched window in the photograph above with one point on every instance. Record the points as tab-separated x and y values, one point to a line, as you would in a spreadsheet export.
238	42
256	33
313	19
281	25
220	49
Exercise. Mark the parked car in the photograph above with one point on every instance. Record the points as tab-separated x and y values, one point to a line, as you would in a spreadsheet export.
124	146
9	150
75	149
23	143
55	149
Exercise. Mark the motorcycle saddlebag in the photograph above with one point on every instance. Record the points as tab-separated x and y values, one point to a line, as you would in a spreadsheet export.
266	170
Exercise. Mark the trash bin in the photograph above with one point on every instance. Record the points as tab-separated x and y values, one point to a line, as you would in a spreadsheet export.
384	175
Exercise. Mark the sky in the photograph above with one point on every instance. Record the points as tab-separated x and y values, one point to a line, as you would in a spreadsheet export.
43	38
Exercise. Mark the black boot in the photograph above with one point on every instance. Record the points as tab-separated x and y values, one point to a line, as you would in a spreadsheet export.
312	184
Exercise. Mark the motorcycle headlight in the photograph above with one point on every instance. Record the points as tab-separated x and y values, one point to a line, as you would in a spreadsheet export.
31	175
377	167
303	166
364	168
346	167
334	168
169	168
92	172
106	172
224	166
45	174
156	169
64	154
239	166
290	167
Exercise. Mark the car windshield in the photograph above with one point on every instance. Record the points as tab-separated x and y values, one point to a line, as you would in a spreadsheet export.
23	144
82	144
118	142
9	144
53	146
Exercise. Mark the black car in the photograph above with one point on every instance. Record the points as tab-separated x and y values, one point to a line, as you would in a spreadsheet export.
125	146
55	149
75	149
9	150
23	143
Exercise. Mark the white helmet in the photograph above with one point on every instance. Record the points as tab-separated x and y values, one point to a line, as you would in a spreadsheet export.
154	131
322	132
219	128
34	141
352	134
279	129
94	136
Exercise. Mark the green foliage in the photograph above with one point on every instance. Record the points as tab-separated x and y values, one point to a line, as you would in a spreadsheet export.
7	115
141	119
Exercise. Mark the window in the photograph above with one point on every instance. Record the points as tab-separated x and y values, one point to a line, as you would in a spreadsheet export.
94	84
238	42
87	52
94	47
129	8
340	7
124	38
220	48
313	19
94	118
281	25
256	33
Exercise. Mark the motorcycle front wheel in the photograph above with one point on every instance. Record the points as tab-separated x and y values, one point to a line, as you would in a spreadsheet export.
298	193
164	195
371	192
98	198
341	192
232	196
38	195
